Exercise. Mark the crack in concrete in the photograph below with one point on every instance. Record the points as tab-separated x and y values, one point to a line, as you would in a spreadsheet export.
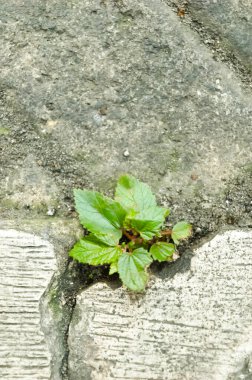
221	49
57	306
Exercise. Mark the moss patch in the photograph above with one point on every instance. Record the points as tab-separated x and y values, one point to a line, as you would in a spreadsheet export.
4	131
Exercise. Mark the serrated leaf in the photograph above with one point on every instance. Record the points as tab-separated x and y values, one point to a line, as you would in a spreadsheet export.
131	268
147	228
108	239
113	268
90	250
99	214
148	222
181	230
133	194
162	251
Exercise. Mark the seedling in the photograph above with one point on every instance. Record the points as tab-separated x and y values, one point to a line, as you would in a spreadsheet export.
128	233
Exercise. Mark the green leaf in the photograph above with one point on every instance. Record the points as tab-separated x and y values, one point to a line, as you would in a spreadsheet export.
108	239
133	194
148	222
181	230
113	268
131	268
162	251
99	214
146	228
143	214
91	250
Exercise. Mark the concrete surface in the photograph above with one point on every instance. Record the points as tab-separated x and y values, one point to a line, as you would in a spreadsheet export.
91	89
194	326
27	264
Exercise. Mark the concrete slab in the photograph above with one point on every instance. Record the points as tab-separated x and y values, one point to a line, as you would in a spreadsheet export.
27	264
194	326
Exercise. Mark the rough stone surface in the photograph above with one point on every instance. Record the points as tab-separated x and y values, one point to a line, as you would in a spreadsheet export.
58	298
27	264
30	180
231	23
194	326
90	89
85	81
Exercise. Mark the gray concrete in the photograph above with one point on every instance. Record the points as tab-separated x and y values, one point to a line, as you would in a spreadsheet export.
85	81
230	21
25	249
27	264
194	326
90	89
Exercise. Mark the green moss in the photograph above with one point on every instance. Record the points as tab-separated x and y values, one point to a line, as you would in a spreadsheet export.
173	164
125	21
9	203
248	167
198	187
39	207
4	131
54	302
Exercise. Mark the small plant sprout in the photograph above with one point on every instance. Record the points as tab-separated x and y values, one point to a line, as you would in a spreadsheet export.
127	233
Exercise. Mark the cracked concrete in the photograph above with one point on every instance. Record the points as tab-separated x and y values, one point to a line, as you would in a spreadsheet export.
196	325
81	83
224	27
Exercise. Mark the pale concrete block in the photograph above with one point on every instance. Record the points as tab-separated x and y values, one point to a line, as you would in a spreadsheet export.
27	264
196	325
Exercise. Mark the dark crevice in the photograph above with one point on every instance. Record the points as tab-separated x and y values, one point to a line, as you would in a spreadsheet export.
220	48
232	209
76	278
58	305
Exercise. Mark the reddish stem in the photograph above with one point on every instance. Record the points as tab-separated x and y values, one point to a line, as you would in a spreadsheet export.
135	239
166	232
128	235
139	240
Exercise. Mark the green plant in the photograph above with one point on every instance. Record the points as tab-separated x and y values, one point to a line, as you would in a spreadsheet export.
127	232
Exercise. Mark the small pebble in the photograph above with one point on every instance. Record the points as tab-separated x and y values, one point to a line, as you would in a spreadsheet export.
126	153
175	256
50	212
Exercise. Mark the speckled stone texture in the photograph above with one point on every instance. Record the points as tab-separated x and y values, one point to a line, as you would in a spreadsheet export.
91	89
194	326
230	21
85	81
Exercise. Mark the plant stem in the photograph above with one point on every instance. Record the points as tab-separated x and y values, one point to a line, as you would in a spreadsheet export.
128	235
166	232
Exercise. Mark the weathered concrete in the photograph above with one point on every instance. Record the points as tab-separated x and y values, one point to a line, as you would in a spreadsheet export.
54	302
90	89
55	306
84	81
27	264
230	21
194	326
